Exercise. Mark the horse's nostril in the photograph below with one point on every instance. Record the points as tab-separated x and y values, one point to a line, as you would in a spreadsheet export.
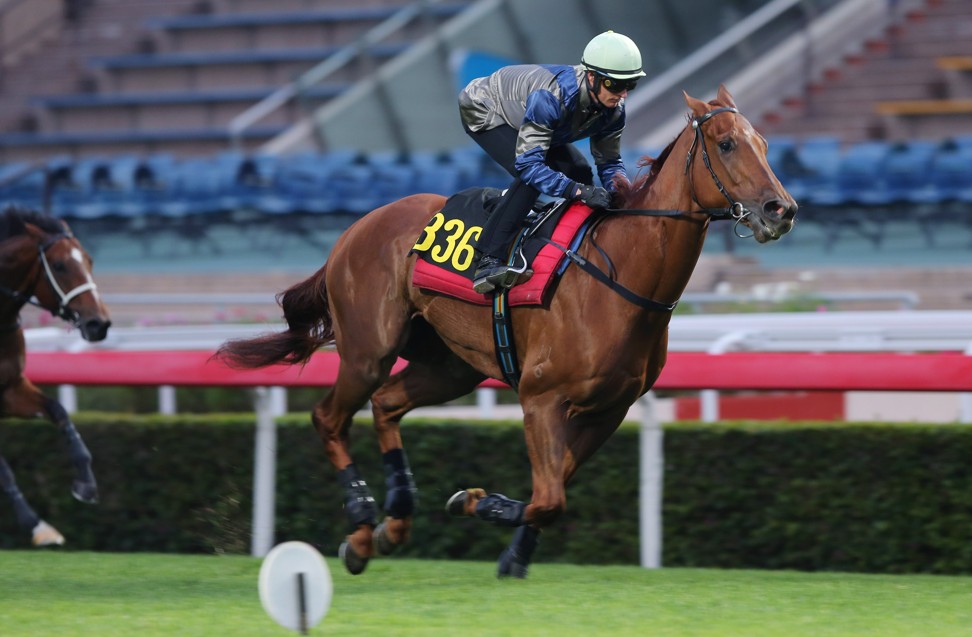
773	207
780	209
96	330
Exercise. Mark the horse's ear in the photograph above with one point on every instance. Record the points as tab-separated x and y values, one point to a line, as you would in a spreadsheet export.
725	97
699	108
34	231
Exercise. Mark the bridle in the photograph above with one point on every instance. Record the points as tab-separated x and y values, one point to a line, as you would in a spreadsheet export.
63	298
63	311
735	210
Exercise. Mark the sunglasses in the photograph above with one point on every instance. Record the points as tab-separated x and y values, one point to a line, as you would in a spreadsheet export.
618	86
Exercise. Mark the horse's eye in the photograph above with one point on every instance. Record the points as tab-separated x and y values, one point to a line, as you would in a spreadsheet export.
59	266
726	145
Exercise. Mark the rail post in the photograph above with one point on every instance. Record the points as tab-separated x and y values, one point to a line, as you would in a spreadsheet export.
267	403
651	474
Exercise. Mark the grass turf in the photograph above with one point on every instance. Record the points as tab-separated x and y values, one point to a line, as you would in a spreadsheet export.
73	594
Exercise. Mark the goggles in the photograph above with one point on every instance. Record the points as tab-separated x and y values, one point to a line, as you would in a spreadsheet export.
618	86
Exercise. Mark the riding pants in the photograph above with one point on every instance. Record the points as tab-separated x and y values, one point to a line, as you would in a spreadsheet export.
507	218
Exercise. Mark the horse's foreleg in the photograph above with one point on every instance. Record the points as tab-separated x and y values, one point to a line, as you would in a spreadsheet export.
26	518
42	533
546	446
557	443
84	488
23	399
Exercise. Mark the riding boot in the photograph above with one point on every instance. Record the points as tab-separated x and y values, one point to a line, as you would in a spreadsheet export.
497	235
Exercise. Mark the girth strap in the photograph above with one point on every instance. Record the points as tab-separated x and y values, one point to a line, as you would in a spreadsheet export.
503	338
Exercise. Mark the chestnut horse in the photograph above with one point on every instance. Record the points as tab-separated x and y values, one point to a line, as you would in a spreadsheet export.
586	355
42	263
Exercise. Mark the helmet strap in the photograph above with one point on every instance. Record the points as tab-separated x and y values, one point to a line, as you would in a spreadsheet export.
594	88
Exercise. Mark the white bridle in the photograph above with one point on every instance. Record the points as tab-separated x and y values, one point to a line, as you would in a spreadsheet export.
63	297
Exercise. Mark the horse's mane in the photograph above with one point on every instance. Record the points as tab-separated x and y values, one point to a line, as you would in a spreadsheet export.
631	191
13	218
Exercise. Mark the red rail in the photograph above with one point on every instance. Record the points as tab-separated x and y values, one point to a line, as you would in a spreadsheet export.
731	371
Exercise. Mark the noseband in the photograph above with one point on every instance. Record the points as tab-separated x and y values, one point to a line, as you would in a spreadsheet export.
735	210
63	311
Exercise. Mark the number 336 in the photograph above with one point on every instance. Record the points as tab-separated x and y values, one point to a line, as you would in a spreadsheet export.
457	241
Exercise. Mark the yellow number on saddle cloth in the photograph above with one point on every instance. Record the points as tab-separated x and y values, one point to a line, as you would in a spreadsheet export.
453	244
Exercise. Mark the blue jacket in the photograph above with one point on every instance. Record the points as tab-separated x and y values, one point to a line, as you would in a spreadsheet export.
550	106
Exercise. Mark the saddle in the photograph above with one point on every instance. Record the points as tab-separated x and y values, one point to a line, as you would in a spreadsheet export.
447	256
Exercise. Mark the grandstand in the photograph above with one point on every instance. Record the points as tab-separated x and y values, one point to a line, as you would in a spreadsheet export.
224	127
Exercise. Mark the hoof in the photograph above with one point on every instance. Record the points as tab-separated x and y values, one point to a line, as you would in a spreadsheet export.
510	565
383	541
515	560
86	492
383	544
464	502
46	535
351	560
457	503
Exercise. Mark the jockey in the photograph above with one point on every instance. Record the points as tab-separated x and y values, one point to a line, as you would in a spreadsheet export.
526	117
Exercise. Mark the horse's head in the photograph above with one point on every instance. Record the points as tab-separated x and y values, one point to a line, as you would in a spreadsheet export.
65	285
729	170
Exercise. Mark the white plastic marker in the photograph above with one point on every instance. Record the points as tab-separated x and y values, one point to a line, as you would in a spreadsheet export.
295	586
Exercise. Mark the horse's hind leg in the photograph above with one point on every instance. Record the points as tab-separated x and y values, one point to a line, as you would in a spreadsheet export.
421	383
43	534
23	399
332	418
361	372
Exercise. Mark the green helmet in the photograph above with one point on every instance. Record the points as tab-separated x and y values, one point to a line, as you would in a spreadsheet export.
613	55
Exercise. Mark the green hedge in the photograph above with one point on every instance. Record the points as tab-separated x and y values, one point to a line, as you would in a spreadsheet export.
870	498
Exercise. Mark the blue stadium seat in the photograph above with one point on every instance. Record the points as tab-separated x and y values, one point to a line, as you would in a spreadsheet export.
193	189
100	192
152	177
22	183
861	176
782	158
949	173
444	179
242	180
353	186
392	182
469	159
820	158
906	169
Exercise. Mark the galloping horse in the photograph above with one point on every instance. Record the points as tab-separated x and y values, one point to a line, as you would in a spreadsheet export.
42	263
586	354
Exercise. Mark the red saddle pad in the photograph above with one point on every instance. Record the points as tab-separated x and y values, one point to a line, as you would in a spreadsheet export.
430	275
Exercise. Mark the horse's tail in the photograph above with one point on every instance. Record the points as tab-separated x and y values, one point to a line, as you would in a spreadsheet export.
309	328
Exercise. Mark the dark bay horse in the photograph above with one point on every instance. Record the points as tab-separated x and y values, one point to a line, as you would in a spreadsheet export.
586	355
42	263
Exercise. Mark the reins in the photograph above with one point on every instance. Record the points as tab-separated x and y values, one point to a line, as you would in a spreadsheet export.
502	328
735	210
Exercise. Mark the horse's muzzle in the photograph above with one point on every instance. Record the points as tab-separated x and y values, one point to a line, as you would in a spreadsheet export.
94	330
774	220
